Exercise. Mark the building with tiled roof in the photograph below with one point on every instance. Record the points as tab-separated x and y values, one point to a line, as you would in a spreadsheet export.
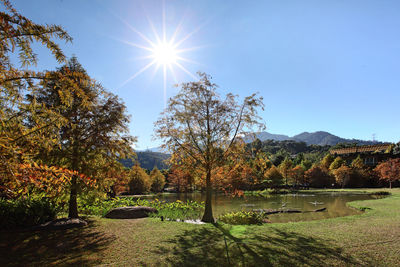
371	154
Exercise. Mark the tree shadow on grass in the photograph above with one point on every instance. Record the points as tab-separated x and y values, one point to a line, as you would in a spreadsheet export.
69	247
217	246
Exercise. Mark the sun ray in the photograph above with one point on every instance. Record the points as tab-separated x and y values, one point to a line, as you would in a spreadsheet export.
187	36
153	29
165	85
144	37
143	57
171	69
139	72
163	22
185	70
178	29
136	45
189	60
193	48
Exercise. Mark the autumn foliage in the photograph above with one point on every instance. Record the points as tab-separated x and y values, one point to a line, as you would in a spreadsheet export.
389	170
48	181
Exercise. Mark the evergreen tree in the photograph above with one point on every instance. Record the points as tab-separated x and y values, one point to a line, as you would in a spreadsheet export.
157	180
337	163
96	130
139	181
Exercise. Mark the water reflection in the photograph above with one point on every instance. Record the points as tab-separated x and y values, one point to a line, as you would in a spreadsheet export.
335	204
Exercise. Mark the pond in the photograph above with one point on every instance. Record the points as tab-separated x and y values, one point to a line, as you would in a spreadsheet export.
334	202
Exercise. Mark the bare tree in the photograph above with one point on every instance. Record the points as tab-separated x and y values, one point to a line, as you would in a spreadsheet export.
204	126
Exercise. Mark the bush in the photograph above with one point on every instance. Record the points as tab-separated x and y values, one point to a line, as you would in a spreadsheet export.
242	217
173	210
139	182
26	212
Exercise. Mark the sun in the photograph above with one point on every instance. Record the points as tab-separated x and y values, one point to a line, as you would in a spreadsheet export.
164	54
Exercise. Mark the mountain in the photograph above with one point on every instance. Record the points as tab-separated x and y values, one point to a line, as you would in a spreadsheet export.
315	138
153	149
268	136
149	160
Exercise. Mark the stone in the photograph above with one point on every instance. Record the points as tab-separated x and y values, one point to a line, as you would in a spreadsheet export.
131	212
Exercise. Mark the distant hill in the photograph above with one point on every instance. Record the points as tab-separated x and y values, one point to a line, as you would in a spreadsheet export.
153	149
149	160
153	157
316	138
268	136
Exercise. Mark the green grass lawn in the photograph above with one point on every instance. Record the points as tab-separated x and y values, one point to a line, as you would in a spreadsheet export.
369	239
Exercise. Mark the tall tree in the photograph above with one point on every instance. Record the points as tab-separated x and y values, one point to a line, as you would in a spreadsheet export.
285	168
17	34
337	163
96	132
389	170
342	175
205	126
157	180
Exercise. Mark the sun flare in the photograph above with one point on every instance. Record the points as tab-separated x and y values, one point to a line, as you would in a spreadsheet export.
165	54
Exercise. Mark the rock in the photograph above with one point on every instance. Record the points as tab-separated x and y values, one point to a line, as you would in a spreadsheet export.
63	223
130	212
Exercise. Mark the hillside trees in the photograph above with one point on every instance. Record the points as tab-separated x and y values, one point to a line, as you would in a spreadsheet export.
202	124
96	129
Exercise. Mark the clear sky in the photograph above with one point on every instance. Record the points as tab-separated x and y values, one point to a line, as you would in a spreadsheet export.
330	65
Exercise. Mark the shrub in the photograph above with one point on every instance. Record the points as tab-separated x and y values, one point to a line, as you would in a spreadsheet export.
26	212
242	217
139	181
173	210
381	193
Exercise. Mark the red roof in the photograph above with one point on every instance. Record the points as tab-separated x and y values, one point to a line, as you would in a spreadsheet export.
361	149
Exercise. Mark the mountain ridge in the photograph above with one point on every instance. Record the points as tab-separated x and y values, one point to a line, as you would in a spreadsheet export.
311	138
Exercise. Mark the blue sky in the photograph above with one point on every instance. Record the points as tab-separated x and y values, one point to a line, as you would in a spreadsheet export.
320	65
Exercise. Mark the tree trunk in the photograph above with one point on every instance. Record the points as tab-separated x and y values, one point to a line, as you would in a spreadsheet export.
73	205
390	185
208	215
